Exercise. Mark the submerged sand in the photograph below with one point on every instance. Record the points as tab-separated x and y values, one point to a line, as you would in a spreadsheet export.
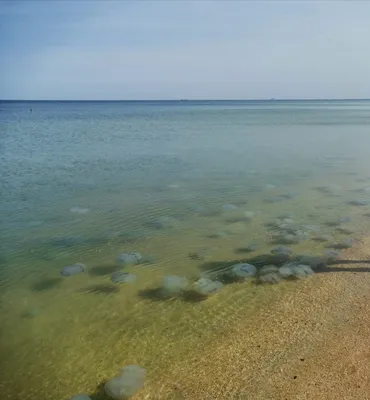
295	340
312	343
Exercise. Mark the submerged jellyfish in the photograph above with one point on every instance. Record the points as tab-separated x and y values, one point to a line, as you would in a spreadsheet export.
242	271
345	230
323	238
163	222
74	269
312	261
291	238
133	257
239	216
81	396
251	247
174	285
267	269
271	278
125	384
281	253
285	271
295	270
282	249
206	287
249	215
122	277
331	255
360	202
302	271
344	244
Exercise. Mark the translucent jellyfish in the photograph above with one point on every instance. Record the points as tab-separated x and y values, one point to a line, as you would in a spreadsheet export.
323	238
267	269
281	254
331	255
125	384
271	278
164	222
313	261
74	269
286	271
282	249
344	244
174	285
345	230
81	396
129	258
295	270
206	287
238	216
251	247
302	271
122	277
293	238
242	271
359	202
249	215
311	228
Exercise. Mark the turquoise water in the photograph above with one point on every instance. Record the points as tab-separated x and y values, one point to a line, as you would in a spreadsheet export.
85	181
118	158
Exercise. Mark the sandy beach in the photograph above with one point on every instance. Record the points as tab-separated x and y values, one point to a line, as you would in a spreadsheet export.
311	344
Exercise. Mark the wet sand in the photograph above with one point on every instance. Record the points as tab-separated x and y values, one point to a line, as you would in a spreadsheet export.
312	343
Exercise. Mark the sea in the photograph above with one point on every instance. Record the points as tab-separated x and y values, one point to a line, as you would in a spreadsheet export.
124	224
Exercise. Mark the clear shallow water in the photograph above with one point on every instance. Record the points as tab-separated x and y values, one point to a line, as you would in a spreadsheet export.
85	181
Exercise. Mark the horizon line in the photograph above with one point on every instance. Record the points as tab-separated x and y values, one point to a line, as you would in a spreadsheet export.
182	100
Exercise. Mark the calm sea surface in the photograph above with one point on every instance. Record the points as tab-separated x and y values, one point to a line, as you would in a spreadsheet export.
194	187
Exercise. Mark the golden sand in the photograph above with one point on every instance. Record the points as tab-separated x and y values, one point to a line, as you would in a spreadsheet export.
313	343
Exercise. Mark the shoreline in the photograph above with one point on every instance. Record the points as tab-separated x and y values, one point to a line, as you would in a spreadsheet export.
245	342
310	344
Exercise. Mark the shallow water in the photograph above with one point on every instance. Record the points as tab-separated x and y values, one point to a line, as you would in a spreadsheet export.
85	181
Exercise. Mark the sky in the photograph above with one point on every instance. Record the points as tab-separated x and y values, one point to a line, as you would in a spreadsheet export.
192	49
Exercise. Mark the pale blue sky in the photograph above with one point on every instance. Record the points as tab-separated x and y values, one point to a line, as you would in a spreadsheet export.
54	49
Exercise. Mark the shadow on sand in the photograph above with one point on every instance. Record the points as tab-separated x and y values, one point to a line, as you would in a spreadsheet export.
46	284
101	289
102	270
